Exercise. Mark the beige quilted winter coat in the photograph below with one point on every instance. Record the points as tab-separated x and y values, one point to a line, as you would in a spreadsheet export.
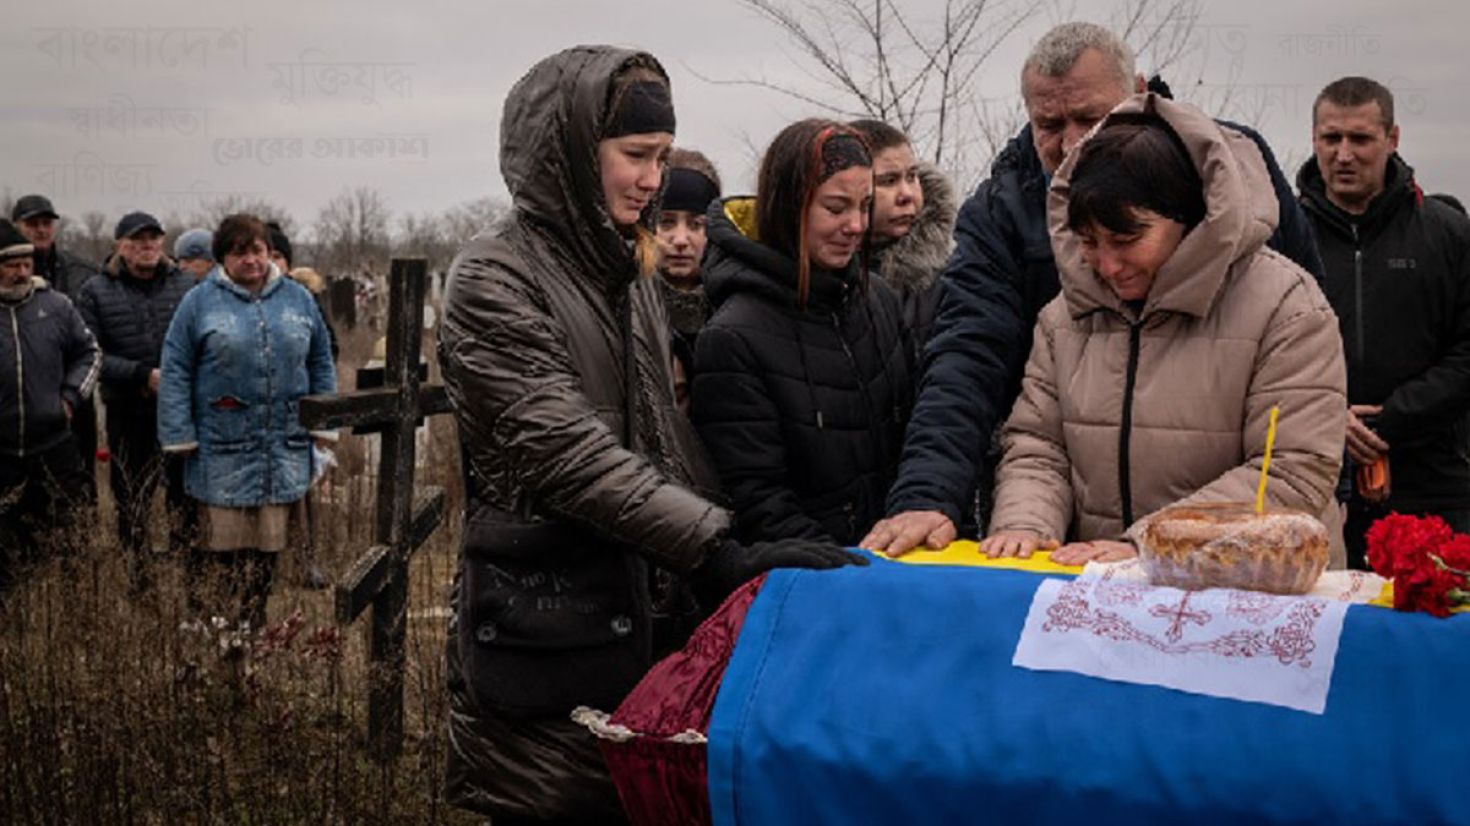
1124	413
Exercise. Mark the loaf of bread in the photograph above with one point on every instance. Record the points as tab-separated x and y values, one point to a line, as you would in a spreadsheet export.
1229	545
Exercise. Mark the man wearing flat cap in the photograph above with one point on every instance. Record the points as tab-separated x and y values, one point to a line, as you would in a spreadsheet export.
38	221
129	308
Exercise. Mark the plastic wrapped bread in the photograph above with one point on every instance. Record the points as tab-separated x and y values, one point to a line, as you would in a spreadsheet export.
1229	545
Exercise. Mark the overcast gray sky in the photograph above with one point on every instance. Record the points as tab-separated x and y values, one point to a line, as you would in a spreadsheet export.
158	105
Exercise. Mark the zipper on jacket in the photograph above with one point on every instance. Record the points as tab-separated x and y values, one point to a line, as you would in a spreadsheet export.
20	383
1125	489
270	392
857	371
806	372
1357	297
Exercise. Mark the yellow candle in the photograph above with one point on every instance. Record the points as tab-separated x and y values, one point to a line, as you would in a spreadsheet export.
1266	462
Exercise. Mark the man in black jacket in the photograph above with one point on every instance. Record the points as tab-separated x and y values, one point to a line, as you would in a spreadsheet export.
48	363
37	220
1002	274
129	308
1398	276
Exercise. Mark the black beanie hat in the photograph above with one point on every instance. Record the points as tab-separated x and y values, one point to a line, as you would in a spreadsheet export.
689	190
12	243
279	242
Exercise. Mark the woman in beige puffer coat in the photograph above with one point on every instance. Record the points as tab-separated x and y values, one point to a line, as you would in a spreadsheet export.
1153	373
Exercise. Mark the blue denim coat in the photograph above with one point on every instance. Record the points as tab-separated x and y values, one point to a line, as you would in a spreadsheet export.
234	366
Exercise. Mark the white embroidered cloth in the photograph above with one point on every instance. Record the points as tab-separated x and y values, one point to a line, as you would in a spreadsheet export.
1239	645
1344	586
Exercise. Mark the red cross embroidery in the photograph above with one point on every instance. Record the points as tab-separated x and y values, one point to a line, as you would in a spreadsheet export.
1180	614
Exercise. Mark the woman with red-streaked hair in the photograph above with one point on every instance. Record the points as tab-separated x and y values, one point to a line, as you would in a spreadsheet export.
803	374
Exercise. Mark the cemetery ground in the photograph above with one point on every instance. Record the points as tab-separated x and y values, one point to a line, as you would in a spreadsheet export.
122	708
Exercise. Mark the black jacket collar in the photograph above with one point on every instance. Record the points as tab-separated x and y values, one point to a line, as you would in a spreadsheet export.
1399	192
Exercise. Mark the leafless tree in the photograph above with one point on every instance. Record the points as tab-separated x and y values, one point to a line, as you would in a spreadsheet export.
211	212
419	232
915	68
463	222
424	236
439	236
352	230
89	237
1202	62
918	66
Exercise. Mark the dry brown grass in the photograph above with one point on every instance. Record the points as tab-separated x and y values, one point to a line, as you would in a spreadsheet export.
119	709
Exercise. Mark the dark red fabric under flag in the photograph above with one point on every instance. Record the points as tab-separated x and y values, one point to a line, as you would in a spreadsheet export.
658	762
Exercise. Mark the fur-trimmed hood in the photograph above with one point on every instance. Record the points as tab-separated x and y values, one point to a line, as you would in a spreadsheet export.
23	292
113	266
916	260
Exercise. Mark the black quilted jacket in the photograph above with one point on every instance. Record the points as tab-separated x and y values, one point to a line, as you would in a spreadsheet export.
129	316
802	412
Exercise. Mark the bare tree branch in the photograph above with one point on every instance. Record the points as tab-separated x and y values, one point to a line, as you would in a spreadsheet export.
784	90
882	63
1160	33
919	63
828	58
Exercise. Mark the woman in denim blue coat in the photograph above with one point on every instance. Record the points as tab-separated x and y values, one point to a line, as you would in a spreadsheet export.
244	346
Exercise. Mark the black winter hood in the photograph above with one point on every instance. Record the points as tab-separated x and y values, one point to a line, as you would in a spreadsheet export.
552	123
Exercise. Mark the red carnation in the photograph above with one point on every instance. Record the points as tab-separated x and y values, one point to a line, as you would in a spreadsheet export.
1456	552
1397	543
1427	561
1426	588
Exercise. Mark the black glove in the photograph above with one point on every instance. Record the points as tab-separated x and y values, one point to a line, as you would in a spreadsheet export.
730	564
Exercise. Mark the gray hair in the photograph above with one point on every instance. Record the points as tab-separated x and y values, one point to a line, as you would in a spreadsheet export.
1058	50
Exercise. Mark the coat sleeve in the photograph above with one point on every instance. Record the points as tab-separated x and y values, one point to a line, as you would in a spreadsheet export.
1299	367
520	407
1294	237
1033	490
972	358
115	369
1440	395
83	359
741	429
176	426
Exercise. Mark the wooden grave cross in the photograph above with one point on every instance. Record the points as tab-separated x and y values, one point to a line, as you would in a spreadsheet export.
379	578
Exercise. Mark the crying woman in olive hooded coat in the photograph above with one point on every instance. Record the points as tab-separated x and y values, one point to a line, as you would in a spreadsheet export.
587	530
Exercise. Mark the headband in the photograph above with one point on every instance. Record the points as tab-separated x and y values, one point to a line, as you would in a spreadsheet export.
689	190
644	107
842	151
